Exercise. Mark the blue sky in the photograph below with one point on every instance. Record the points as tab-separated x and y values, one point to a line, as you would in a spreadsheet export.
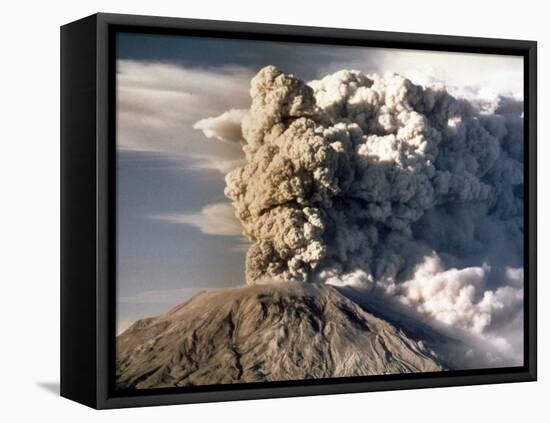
176	232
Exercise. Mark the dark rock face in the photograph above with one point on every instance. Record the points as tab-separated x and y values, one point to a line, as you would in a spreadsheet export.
259	333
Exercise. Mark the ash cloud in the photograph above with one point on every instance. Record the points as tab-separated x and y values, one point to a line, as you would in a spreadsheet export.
226	127
362	180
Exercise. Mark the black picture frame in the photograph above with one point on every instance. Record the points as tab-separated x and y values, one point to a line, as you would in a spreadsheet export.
88	206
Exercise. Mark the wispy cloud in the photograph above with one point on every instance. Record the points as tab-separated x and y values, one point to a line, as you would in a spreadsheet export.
162	296
158	104
211	162
213	219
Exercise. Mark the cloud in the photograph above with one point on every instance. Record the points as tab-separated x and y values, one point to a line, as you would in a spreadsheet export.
158	104
356	180
226	127
213	219
459	297
210	162
468	75
463	303
162	296
341	171
355	279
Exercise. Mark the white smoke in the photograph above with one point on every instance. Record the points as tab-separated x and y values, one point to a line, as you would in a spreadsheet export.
359	180
226	127
459	297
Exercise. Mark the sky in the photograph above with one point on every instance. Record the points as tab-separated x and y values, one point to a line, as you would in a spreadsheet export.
177	234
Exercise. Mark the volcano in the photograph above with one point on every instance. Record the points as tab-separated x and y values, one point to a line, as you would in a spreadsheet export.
269	332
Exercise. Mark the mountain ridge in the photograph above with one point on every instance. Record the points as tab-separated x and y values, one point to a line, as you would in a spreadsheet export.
290	331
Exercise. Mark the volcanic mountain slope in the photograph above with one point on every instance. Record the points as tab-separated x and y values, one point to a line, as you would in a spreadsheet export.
265	333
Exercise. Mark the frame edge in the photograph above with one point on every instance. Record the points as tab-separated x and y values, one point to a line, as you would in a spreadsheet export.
78	212
104	401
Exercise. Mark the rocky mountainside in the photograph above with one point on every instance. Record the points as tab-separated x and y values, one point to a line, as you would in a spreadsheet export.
265	333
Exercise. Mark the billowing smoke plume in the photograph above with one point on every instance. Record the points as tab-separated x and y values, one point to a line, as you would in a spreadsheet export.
360	180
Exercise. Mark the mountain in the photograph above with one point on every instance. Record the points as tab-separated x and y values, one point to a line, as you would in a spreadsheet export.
284	331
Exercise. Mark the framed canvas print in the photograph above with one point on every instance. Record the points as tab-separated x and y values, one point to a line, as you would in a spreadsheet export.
255	211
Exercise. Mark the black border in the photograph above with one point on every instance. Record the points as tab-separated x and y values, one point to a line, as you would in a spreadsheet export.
107	26
78	211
